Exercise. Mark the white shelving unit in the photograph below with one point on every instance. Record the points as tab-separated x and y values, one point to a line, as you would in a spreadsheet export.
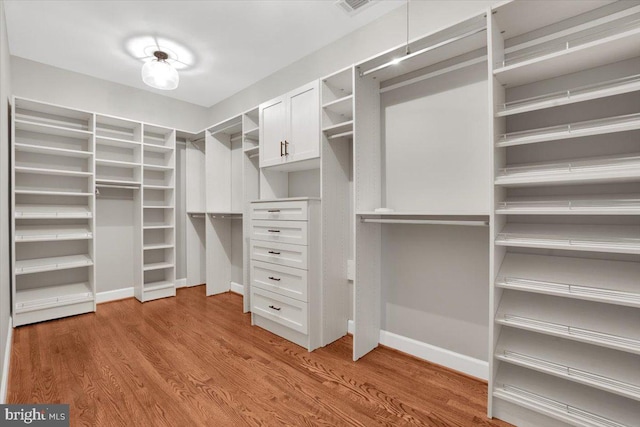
158	249
565	288
196	235
53	209
250	191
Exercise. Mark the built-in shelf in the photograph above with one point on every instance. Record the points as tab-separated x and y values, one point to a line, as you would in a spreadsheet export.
157	207
45	233
593	170
252	150
347	134
606	325
54	151
251	133
572	130
55	172
598	367
117	164
570	55
156	286
52	211
107	182
593	238
27	126
342	106
594	205
225	213
52	296
116	142
338	128
158	246
571	96
157	266
158	168
157	148
158	187
613	282
40	265
564	400
52	193
158	227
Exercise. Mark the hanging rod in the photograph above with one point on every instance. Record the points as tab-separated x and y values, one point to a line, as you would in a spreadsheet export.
421	51
193	215
469	223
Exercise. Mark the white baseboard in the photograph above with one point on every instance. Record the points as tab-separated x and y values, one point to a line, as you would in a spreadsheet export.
237	288
181	283
108	296
5	365
459	362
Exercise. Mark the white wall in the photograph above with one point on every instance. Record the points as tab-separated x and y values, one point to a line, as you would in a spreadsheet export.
50	84
368	41
5	278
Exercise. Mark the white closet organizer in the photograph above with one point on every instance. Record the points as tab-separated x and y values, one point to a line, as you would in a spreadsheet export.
158	214
250	191
53	210
408	139
196	210
565	273
224	206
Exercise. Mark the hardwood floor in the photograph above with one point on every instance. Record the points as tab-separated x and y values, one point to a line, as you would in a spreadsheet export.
196	361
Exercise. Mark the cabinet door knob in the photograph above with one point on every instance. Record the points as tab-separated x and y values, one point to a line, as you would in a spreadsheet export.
281	149
274	308
286	148
274	253
273	231
274	278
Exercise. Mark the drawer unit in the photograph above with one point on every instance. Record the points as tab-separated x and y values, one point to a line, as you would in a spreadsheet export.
287	281
279	253
294	232
283	310
286	210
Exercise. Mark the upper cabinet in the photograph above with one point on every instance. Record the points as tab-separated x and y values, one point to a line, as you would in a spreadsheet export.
290	128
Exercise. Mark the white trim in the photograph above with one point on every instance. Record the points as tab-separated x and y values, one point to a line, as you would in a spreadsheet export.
181	283
237	288
5	365
108	296
447	358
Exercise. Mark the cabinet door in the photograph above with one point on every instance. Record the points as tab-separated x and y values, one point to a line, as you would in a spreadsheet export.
272	132
303	123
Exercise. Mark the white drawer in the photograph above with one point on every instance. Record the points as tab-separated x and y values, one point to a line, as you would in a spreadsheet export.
294	232
288	211
279	253
286	311
287	281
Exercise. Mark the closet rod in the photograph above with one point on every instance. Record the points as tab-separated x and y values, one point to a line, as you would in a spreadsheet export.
469	223
196	215
423	50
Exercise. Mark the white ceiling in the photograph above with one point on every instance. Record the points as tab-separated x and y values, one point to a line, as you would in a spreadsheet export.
234	43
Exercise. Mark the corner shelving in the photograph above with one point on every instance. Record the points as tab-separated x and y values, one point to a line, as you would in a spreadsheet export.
53	210
599	204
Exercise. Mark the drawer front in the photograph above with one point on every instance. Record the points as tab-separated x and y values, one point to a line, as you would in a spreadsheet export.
294	232
279	253
286	311
287	281
288	211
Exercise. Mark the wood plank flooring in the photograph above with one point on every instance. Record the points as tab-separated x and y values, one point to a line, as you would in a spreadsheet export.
196	361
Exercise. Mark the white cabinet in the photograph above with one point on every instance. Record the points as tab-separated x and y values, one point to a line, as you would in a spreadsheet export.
290	127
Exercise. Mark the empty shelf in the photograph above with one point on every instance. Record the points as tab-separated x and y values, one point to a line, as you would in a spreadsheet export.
54	151
158	246
570	96
252	133
564	400
156	148
157	266
39	265
52	211
252	150
46	129
52	296
567	56
593	170
116	142
593	205
45	233
108	182
342	106
614	282
605	325
572	130
598	367
339	128
117	164
157	207
157	227
158	168
58	172
595	238
158	187
51	193
156	286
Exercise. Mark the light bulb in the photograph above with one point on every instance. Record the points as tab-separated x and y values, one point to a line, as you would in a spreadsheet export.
160	74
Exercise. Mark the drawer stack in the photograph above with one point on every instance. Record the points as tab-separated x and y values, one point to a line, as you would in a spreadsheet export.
285	297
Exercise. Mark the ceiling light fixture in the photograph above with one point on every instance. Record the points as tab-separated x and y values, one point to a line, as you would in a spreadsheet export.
159	74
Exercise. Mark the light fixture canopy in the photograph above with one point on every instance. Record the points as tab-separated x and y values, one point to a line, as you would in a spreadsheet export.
159	74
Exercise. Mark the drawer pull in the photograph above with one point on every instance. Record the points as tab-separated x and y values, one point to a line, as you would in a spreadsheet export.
273	278
274	253
275	308
273	231
273	210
